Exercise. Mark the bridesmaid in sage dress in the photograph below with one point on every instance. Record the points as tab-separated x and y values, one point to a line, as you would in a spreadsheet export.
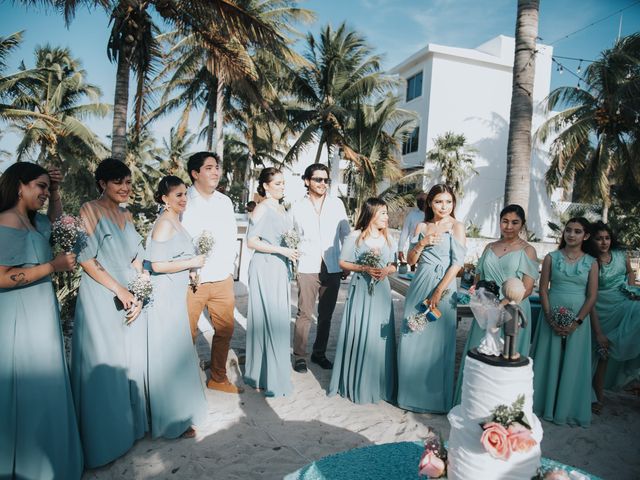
426	358
38	428
268	364
618	317
109	350
176	396
562	354
509	257
364	368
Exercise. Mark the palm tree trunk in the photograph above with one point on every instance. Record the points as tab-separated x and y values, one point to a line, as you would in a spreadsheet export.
319	152
220	123
518	175
247	177
120	105
211	121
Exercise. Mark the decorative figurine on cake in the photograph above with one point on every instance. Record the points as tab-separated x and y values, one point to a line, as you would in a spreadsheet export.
513	317
487	312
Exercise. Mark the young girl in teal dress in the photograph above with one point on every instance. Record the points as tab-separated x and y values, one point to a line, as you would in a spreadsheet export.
268	363
176	396
618	317
509	257
562	352
426	358
38	428
364	369
109	352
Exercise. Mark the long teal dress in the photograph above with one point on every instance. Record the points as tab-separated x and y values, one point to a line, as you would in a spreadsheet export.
38	429
108	359
426	359
562	368
620	322
364	369
514	264
176	396
268	363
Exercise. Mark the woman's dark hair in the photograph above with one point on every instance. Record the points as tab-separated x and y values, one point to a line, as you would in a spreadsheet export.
367	212
514	208
165	186
587	229
111	169
16	174
196	161
266	175
313	168
436	190
600	226
421	200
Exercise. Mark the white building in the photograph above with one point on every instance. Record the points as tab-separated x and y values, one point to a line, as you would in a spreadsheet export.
468	91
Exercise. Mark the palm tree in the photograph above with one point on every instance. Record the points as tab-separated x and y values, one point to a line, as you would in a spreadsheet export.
596	133
342	74
519	143
174	152
57	135
454	159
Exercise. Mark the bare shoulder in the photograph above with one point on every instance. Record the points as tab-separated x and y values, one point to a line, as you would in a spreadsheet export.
163	230
530	251
420	228
458	229
10	219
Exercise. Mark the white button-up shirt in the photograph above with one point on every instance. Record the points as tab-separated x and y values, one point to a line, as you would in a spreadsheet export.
216	215
411	221
321	235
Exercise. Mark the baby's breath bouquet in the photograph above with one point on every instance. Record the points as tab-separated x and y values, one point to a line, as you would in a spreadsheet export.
204	245
562	316
141	287
291	239
417	322
68	233
371	258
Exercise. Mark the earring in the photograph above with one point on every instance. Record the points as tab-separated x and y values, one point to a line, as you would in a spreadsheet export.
267	194
20	194
167	207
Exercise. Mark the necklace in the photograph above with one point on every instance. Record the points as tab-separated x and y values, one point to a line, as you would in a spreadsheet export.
569	257
506	245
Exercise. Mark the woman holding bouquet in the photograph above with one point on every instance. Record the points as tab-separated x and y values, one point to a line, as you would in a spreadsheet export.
509	257
562	343
109	350
38	427
617	353
176	396
268	365
365	364
426	358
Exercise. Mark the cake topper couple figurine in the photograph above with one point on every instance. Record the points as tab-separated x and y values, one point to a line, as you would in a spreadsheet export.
491	315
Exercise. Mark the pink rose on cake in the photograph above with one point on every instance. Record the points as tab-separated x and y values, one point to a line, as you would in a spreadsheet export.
431	465
520	438
495	440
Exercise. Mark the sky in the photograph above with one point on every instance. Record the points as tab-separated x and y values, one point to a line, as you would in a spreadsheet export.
394	28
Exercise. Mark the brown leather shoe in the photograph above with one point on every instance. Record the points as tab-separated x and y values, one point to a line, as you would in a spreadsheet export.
225	386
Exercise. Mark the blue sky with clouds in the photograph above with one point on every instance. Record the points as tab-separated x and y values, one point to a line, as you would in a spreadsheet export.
395	28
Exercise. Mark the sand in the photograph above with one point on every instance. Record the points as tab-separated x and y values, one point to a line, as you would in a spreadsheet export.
248	436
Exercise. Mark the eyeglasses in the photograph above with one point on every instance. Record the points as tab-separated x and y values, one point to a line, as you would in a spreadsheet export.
321	180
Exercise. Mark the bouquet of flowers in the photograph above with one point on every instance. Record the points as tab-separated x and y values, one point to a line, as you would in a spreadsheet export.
562	316
433	463
507	431
417	322
68	233
291	239
141	287
371	258
204	245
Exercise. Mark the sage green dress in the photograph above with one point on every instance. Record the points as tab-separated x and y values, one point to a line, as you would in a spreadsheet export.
176	396
268	360
38	429
108	358
426	359
364	369
514	264
620	322
562	367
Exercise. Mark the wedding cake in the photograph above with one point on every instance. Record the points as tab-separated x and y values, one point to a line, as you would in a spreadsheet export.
482	445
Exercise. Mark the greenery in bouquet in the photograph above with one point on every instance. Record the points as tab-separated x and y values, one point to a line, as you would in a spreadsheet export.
370	258
291	239
507	431
433	462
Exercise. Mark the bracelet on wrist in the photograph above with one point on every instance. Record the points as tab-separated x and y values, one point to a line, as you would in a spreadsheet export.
579	321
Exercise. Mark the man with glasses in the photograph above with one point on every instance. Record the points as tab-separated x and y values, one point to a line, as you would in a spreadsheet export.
322	223
210	210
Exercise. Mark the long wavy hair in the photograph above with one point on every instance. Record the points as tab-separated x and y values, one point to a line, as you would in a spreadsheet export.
16	174
600	226
436	190
586	245
368	211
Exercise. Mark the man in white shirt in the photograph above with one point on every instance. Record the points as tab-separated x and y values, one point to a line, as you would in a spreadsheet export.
210	210
411	221
322	223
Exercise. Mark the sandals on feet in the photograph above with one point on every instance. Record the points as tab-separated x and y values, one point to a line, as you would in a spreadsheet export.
189	433
596	408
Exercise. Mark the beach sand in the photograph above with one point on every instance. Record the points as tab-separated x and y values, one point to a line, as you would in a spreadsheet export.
251	437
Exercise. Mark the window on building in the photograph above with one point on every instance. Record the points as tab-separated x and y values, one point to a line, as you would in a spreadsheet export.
414	86
411	144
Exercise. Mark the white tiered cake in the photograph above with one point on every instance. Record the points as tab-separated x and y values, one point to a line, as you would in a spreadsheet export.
485	387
